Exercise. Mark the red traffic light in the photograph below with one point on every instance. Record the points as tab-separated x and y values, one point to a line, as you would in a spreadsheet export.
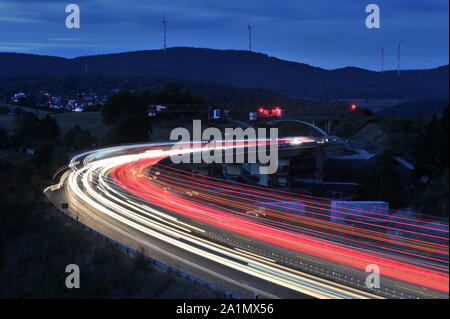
353	107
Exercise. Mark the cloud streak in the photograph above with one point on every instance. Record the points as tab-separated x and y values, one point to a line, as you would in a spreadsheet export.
18	20
325	33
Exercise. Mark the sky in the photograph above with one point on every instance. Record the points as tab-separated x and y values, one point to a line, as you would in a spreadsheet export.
325	33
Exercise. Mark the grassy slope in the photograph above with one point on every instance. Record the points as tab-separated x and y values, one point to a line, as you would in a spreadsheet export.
88	120
39	243
7	121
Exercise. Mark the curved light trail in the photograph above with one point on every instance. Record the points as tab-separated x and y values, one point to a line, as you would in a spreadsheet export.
132	185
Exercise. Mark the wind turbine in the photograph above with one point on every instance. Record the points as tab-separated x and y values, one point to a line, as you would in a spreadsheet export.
398	58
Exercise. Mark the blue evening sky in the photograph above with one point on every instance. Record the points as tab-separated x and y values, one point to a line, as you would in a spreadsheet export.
324	33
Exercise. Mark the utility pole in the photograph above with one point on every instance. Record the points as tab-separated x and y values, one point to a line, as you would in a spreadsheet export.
165	33
249	37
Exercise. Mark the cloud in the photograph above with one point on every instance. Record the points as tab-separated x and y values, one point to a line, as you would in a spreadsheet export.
64	39
10	48
47	44
418	6
18	20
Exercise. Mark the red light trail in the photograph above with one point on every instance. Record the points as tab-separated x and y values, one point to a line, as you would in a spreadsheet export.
222	204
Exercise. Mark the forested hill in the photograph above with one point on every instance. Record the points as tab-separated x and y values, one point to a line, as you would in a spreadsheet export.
242	69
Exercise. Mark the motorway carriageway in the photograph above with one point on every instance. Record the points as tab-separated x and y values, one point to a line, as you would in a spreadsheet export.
295	247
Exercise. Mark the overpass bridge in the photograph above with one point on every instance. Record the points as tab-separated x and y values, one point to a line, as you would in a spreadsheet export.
308	115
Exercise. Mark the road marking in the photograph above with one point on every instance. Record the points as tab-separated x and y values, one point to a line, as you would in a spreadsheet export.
416	291
256	256
311	260
240	237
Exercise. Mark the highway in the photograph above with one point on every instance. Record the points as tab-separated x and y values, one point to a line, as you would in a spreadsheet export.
252	239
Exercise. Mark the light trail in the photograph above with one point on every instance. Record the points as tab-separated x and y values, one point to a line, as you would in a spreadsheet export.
122	183
257	192
443	220
279	213
319	248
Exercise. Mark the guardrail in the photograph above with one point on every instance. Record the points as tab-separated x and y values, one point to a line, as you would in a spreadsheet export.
155	262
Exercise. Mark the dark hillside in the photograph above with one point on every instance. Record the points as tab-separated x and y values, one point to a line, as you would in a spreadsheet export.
242	69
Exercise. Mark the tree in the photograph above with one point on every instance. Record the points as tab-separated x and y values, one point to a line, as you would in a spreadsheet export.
27	129
58	158
367	112
4	110
48	128
133	128
28	101
84	139
172	93
443	139
429	151
43	158
3	136
76	138
70	136
123	104
382	183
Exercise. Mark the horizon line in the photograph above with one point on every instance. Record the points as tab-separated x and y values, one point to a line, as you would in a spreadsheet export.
238	50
